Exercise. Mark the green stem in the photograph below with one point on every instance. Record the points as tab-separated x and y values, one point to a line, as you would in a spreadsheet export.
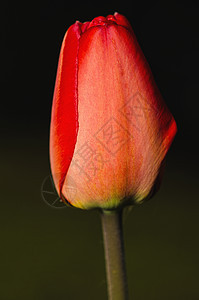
114	254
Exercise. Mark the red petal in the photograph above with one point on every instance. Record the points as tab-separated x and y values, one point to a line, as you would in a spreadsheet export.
125	128
64	118
122	21
109	20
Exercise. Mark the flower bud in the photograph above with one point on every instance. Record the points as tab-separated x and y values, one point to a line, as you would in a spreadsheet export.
110	128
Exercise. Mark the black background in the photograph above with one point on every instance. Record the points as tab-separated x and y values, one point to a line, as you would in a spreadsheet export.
58	254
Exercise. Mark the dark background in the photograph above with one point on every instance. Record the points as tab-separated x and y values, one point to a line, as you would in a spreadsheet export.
49	253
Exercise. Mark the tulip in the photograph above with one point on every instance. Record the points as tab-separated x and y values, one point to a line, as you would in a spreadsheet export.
110	128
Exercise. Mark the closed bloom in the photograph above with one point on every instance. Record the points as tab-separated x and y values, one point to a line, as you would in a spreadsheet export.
110	128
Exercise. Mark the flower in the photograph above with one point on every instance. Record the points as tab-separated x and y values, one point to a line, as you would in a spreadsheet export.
110	128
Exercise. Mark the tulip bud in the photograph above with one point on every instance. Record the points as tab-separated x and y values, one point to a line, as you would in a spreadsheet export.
110	128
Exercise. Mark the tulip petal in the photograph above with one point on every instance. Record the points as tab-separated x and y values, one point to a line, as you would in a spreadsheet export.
64	117
121	20
125	128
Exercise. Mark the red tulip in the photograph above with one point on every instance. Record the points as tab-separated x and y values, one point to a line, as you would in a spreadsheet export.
110	128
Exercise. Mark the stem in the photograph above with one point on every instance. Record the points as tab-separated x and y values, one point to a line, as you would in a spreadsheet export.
114	254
